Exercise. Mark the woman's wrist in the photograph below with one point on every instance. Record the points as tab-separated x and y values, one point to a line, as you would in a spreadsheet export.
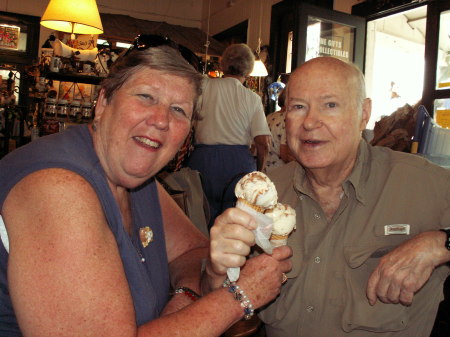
210	279
188	292
240	295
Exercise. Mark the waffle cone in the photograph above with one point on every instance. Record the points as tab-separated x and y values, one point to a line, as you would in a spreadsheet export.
279	237
255	207
278	240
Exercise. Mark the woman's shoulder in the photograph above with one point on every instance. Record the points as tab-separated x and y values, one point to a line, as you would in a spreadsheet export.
56	178
68	151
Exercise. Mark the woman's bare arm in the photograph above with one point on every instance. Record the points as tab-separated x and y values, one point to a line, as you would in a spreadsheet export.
66	276
65	273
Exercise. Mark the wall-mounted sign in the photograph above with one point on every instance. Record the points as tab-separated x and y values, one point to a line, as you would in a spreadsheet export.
9	37
327	38
333	47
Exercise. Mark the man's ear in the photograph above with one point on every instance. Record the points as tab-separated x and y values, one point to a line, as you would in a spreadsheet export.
366	112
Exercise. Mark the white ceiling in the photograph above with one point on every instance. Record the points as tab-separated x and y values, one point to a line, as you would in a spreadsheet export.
411	25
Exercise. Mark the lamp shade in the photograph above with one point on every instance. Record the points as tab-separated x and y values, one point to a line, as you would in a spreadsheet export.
73	16
259	69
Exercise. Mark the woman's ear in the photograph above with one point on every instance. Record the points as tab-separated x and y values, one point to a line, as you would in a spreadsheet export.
102	102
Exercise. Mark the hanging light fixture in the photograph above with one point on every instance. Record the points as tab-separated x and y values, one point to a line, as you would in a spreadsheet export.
207	43
259	69
73	16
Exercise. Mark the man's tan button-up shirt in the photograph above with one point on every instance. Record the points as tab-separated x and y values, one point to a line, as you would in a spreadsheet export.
325	295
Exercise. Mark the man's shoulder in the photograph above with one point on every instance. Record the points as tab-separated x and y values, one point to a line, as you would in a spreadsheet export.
284	174
230	83
387	156
385	161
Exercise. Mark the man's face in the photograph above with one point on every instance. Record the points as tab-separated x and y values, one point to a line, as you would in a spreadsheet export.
323	124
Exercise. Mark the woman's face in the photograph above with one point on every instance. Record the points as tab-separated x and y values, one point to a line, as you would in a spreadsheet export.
143	126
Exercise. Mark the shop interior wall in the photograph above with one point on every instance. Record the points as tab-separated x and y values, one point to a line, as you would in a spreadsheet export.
218	15
178	12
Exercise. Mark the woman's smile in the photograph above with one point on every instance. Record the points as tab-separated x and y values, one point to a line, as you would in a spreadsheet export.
147	142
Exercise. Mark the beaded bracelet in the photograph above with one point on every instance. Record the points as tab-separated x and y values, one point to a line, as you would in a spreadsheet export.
239	295
188	292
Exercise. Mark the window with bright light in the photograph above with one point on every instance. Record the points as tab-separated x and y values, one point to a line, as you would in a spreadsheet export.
395	61
289	53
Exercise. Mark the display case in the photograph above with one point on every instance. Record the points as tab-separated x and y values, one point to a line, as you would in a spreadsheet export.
436	93
300	31
19	38
442	105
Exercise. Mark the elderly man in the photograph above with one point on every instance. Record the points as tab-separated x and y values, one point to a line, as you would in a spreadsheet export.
368	254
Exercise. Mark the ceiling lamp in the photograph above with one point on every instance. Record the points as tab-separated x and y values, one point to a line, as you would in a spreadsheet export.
259	69
73	16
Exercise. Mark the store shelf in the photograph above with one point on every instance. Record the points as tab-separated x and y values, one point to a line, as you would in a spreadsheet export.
77	78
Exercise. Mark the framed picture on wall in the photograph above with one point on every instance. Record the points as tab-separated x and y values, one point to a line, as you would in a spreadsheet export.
19	38
9	37
82	92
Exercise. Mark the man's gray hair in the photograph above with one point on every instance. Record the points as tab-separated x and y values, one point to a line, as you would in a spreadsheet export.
360	85
238	60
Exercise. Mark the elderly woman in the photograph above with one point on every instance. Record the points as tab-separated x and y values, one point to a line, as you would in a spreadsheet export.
91	243
231	119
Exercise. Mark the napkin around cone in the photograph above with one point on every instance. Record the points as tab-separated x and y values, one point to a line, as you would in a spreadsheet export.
262	235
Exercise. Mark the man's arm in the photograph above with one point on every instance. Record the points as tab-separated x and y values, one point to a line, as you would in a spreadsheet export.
403	271
262	150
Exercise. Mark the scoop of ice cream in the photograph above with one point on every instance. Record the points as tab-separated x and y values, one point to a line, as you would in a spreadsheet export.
257	189
283	217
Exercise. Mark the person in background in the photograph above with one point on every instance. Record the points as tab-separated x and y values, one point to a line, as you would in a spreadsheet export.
91	244
231	118
372	238
279	153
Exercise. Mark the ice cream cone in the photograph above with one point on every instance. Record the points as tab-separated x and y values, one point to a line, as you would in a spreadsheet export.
257	190
253	206
278	240
279	237
284	219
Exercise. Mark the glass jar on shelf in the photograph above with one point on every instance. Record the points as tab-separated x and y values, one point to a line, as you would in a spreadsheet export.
50	107
86	111
62	110
75	111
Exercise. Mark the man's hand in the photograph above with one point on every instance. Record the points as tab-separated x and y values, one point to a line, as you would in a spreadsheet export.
403	271
231	239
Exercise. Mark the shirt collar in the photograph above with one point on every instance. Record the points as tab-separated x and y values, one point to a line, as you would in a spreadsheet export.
356	180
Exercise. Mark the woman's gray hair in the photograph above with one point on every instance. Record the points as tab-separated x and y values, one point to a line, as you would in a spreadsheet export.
162	58
238	60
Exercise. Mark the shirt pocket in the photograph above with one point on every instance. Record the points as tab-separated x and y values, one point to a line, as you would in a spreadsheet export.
358	314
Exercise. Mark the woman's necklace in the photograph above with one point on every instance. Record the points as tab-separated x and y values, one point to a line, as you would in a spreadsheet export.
138	250
130	217
145	234
145	237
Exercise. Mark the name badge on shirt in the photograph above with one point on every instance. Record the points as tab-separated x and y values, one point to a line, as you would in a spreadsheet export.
395	229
